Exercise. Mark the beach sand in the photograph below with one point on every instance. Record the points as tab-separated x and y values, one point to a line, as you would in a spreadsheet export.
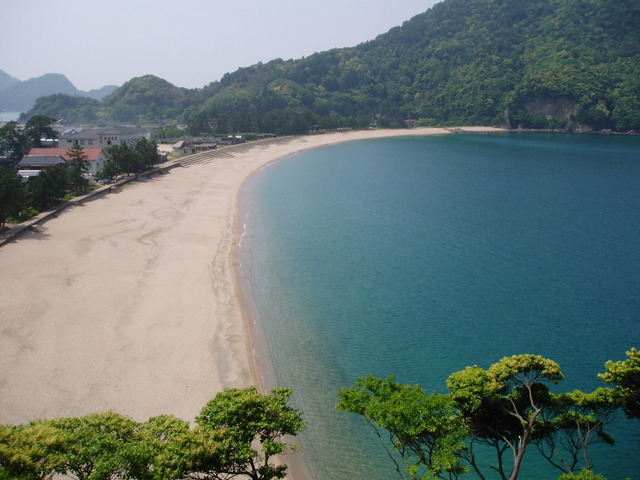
128	302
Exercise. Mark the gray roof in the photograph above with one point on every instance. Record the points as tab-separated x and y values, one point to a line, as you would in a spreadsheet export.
40	161
122	131
95	132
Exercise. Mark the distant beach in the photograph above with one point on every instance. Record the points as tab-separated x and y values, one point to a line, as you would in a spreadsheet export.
129	302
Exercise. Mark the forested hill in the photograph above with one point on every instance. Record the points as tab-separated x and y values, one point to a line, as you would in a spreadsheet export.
536	64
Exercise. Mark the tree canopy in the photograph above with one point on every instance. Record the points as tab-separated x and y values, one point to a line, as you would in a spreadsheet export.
625	375
543	64
509	407
236	435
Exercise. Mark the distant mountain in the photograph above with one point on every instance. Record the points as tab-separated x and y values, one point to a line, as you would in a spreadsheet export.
7	80
20	96
100	93
560	64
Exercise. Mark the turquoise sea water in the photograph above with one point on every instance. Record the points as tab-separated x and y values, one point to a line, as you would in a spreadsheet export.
419	256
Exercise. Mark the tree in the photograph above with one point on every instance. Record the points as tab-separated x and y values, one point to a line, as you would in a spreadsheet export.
147	153
11	194
13	141
236	420
576	421
626	377
503	405
584	474
123	158
423	429
78	167
31	451
158	450
109	170
38	128
48	187
94	446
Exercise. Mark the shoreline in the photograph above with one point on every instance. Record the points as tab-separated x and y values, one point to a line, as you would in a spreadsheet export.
133	302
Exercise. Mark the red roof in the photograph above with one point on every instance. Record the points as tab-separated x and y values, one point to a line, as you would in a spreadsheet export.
91	153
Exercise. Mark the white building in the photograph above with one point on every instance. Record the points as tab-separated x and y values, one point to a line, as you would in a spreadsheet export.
95	156
102	137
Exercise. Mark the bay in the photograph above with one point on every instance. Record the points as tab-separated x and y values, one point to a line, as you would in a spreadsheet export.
419	256
9	116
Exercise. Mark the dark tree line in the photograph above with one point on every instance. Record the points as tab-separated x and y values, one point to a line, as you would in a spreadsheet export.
129	159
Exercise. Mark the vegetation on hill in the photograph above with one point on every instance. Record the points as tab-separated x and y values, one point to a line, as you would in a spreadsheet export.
544	64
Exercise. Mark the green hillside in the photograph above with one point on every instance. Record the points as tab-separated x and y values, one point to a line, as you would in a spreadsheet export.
535	64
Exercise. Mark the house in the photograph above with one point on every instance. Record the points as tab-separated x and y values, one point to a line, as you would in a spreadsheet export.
230	140
41	160
31	165
96	156
102	137
205	147
182	148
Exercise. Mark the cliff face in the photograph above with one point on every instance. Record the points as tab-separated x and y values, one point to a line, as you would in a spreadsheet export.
551	107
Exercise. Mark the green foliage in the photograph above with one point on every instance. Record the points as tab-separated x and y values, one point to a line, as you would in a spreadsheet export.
68	108
11	194
506	407
31	451
250	418
237	434
125	158
574	422
625	375
39	127
550	63
48	188
157	451
93	446
423	429
77	168
146	98
13	141
585	474
505	404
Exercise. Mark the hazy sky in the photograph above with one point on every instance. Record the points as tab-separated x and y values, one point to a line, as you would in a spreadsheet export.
187	42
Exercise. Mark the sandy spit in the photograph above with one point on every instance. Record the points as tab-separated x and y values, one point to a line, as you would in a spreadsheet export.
128	302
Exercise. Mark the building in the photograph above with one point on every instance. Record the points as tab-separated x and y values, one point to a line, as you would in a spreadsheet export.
41	160
230	140
96	157
102	137
182	148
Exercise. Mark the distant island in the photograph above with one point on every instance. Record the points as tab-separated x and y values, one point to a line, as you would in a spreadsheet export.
564	64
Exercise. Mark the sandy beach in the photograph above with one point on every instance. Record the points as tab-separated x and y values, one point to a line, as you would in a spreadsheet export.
128	302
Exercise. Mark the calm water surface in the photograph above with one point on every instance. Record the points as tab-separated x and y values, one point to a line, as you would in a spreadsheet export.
419	256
